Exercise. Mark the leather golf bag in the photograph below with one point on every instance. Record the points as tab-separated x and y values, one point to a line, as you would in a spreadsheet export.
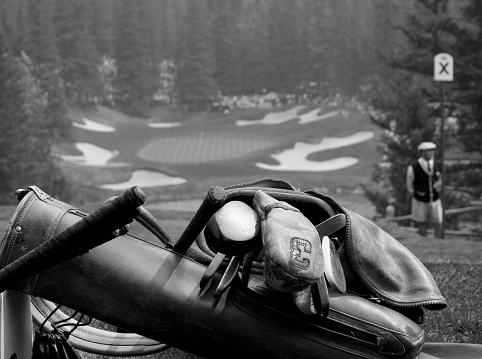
154	290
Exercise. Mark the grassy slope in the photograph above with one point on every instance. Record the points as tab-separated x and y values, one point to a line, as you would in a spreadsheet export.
131	135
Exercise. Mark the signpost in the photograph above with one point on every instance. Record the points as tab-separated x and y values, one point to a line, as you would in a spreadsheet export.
443	72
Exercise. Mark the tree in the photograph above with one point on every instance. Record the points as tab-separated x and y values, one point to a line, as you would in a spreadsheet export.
408	107
469	77
78	52
40	46
401	107
226	45
254	52
24	140
196	85
287	46
468	96
137	71
320	19
101	23
169	24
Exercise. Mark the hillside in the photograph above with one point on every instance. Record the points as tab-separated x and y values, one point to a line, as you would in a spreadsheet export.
329	146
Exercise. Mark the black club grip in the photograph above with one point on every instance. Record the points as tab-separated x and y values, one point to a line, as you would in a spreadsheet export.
90	232
213	201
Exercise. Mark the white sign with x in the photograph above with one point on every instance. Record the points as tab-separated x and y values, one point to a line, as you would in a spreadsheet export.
443	67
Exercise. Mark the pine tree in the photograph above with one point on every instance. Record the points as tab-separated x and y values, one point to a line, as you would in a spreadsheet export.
102	24
24	140
429	29
254	53
407	107
468	95
137	71
78	52
321	22
169	22
401	107
468	73
196	86
287	45
226	45
40	46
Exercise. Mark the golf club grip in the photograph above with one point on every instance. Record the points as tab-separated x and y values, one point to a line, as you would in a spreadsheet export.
211	203
90	232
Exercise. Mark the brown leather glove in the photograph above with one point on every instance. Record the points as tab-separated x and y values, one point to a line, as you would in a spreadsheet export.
292	247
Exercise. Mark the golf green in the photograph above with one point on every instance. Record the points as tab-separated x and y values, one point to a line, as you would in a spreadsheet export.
200	148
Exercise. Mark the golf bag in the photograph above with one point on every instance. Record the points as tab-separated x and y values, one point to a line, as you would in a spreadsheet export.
154	289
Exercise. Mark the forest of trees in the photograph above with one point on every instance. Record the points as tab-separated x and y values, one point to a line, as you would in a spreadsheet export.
407	103
133	54
226	46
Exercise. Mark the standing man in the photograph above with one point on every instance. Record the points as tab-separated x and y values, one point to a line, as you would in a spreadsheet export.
424	182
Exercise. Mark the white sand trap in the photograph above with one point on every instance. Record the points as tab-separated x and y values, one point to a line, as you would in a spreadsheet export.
295	159
313	116
145	179
313	166
92	155
273	118
276	118
164	124
93	126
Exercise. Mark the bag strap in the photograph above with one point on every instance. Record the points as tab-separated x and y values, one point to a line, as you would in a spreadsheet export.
331	225
266	183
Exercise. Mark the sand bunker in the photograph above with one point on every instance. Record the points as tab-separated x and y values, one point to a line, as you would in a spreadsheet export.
313	116
276	118
93	126
296	158
92	155
273	118
145	179
164	124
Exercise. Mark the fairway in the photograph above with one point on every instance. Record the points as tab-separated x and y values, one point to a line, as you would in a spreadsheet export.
200	148
291	142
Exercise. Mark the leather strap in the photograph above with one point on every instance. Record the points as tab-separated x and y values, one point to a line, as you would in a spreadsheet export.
282	205
331	225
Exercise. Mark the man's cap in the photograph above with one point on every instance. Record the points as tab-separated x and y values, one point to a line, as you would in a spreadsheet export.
425	146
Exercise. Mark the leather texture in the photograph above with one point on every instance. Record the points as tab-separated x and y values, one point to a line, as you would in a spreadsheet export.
38	217
154	291
375	264
383	265
292	247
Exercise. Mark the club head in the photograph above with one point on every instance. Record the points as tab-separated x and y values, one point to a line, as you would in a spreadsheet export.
333	270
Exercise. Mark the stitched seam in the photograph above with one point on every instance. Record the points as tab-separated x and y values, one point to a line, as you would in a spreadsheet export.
380	327
17	221
370	284
53	226
281	205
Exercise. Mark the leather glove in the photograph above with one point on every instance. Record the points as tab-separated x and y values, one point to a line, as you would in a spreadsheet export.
292	247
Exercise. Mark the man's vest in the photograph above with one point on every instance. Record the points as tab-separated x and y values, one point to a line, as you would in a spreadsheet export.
422	185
